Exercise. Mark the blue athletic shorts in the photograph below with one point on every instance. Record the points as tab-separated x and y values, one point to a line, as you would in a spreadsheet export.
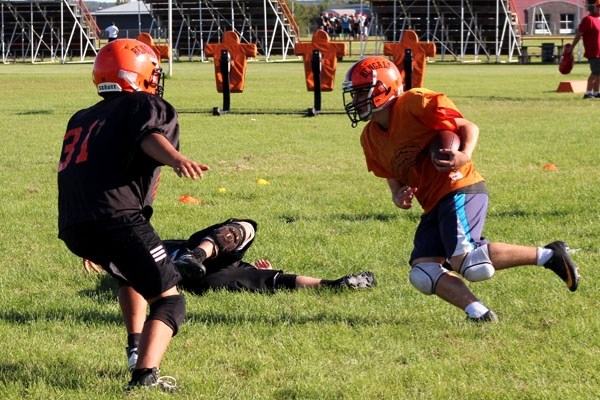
453	227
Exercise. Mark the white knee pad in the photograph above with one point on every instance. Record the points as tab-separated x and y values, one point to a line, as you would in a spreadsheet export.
477	265
424	276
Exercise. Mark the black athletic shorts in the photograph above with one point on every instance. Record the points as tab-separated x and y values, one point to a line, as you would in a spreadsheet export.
236	277
129	249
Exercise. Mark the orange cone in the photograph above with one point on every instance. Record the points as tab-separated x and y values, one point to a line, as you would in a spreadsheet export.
187	199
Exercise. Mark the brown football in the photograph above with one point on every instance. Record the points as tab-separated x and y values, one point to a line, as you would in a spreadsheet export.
443	140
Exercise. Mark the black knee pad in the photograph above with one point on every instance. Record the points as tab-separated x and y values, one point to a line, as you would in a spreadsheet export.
170	310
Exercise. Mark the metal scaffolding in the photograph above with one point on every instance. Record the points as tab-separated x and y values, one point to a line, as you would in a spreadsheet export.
486	28
36	30
46	29
266	23
63	30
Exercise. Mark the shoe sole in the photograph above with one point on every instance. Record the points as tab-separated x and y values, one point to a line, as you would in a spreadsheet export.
561	251
572	275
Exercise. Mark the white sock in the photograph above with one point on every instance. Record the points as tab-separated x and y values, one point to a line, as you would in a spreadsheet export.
476	309
543	255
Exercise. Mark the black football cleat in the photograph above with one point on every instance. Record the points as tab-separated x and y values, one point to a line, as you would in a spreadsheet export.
358	281
149	379
562	265
189	266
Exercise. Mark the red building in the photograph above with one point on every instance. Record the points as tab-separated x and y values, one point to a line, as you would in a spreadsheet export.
550	17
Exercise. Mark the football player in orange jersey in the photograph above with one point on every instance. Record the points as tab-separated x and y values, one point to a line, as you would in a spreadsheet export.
448	240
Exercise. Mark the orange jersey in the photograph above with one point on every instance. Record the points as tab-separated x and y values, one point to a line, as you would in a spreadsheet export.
401	152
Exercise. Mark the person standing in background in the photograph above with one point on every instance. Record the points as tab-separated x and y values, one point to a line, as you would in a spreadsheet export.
112	32
589	31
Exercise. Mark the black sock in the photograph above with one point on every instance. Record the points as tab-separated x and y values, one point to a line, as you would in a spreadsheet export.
331	282
133	340
138	373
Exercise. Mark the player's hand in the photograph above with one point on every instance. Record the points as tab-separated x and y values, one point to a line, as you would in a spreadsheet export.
456	160
89	267
262	264
186	168
403	197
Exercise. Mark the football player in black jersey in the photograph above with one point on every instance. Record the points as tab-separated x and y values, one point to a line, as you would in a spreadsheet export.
110	158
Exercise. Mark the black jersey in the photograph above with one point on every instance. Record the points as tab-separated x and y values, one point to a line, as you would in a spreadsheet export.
103	173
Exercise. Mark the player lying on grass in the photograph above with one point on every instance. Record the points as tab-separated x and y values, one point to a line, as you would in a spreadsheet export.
212	259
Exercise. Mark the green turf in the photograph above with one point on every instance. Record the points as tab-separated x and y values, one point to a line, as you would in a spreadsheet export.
322	214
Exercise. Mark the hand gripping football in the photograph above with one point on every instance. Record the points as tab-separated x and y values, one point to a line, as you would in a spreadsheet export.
443	140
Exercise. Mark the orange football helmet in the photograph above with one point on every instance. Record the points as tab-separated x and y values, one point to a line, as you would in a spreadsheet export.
370	84
127	65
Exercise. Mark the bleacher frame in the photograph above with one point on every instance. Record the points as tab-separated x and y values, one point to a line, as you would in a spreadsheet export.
34	30
196	23
459	28
60	30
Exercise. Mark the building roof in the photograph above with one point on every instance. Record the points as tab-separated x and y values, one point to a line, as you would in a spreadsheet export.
525	4
130	8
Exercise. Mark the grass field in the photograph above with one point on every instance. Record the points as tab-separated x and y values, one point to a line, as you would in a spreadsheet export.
322	214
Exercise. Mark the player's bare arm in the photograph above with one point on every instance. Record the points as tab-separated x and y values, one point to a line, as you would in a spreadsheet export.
159	148
402	195
578	36
469	136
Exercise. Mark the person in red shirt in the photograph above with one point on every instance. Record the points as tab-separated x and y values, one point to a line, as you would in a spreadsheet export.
448	240
589	31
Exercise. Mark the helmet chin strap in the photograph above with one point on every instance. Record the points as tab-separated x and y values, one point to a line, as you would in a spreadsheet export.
127	76
133	85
